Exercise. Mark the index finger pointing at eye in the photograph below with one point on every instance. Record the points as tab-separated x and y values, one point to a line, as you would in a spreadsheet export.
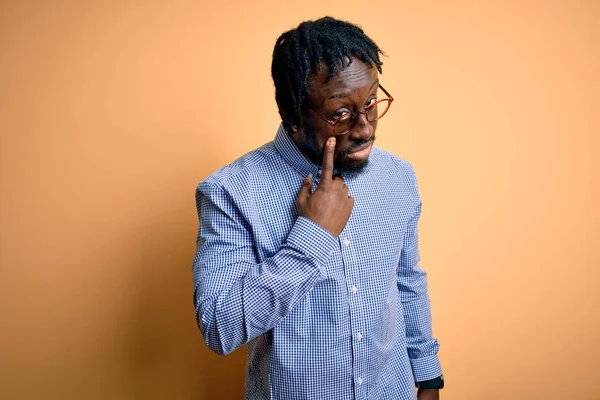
327	170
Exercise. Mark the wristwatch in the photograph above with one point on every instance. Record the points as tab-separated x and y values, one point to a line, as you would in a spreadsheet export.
435	383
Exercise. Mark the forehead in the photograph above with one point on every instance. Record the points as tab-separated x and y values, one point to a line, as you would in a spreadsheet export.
355	77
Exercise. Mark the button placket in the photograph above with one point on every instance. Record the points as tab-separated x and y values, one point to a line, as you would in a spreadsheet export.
347	251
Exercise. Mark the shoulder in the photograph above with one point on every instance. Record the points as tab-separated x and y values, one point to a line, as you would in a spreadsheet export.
398	167
254	165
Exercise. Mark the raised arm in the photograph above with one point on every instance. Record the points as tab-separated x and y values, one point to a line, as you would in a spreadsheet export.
238	298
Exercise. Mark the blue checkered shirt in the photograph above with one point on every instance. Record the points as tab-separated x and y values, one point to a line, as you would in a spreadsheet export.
323	317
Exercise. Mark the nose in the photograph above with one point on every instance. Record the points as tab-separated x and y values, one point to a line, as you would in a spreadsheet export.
363	129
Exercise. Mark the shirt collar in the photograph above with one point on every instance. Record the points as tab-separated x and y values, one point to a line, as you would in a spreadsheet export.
292	155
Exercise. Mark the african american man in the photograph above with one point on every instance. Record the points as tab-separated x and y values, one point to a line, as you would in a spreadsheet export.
307	248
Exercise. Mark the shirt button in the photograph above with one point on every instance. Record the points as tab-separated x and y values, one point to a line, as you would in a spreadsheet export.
346	241
359	336
359	380
354	289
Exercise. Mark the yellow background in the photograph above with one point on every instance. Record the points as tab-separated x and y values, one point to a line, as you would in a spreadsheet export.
112	112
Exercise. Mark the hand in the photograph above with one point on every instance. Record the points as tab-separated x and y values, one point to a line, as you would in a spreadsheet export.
428	394
330	205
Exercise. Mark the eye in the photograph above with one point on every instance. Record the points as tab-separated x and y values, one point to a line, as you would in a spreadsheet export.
371	102
340	115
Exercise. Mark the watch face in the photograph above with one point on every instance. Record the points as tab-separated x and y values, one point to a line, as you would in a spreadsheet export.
435	383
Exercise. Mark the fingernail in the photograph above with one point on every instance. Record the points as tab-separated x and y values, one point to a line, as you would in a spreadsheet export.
309	176
331	141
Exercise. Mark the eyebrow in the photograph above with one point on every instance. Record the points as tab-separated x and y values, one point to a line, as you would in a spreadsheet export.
344	95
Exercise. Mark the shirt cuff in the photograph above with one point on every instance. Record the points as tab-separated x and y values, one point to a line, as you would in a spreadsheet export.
426	368
312	240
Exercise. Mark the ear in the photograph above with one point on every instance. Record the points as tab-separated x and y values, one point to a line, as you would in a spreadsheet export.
295	133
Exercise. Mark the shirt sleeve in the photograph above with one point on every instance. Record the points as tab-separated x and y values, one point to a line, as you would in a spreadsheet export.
412	284
237	298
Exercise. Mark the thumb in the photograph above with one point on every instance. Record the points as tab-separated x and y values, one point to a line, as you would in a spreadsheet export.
305	189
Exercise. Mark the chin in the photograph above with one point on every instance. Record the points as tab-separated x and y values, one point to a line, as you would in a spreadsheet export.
350	168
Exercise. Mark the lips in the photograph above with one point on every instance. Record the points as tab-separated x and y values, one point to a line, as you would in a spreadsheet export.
361	147
361	153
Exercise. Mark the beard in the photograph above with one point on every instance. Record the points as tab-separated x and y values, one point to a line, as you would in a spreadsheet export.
342	165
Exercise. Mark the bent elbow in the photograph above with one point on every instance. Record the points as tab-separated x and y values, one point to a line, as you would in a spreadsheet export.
216	348
213	341
210	334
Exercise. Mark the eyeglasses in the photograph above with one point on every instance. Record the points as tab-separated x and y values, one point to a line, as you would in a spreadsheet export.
346	121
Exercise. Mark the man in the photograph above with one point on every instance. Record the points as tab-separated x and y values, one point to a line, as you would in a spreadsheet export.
307	247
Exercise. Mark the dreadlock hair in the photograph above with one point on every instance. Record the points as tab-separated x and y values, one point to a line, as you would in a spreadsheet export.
299	51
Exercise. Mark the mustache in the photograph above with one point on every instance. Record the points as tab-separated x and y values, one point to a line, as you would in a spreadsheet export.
356	145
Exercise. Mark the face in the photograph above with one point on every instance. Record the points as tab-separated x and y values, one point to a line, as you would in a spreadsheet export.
351	89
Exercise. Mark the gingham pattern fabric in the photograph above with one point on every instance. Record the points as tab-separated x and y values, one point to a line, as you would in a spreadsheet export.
324	317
